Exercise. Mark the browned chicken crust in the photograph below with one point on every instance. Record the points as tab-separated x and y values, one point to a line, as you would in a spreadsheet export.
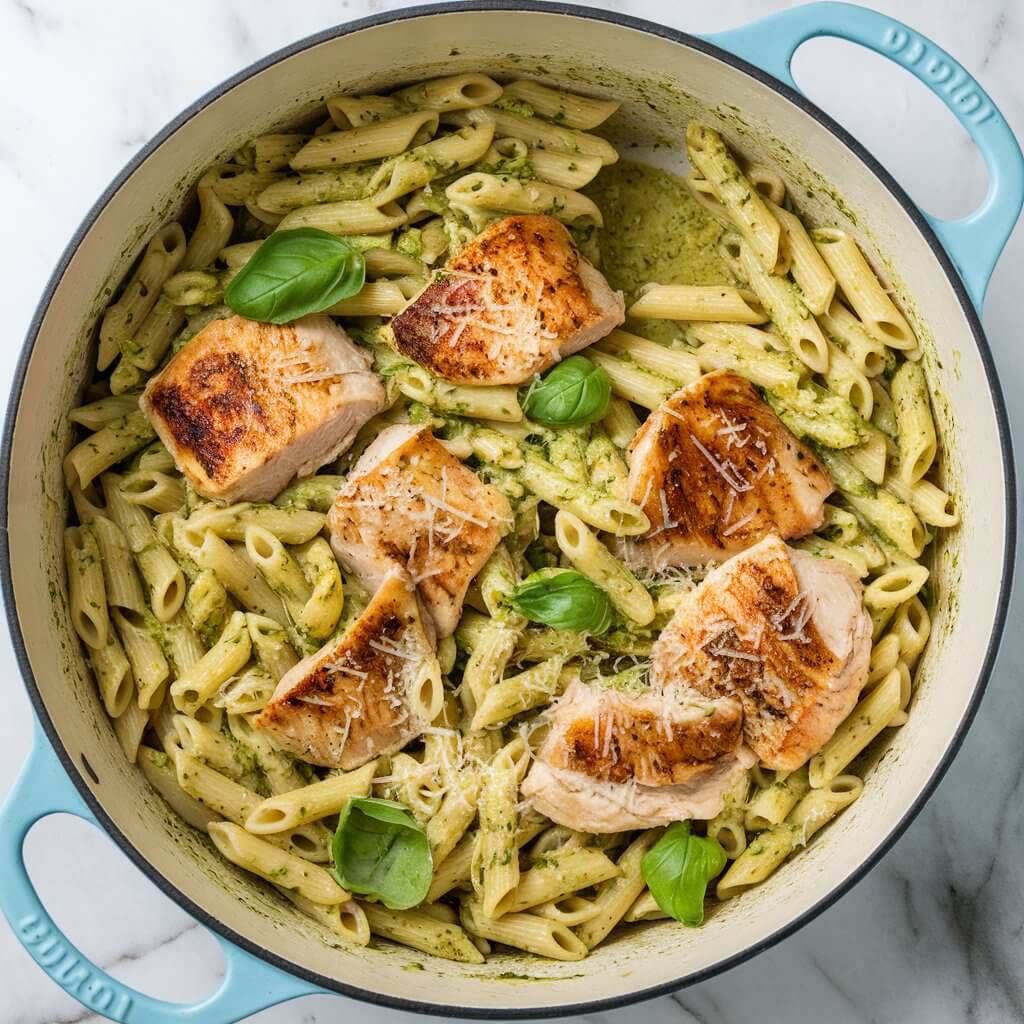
653	740
514	301
409	503
348	703
244	406
715	470
785	633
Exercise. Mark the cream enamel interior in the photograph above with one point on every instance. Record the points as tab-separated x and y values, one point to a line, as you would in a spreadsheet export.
677	82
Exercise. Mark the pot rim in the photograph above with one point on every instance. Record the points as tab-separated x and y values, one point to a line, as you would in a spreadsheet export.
786	92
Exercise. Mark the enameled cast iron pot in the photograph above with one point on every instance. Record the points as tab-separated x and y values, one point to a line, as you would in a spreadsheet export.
739	81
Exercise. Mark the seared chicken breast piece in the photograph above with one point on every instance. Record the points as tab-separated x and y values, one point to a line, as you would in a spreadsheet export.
614	760
408	503
363	694
715	470
785	633
517	299
245	406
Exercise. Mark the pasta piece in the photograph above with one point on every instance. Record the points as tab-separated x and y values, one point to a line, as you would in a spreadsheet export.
207	605
727	827
933	505
542	134
743	203
367	142
289	525
846	379
620	422
499	403
316	493
871	715
109	445
879	507
613	515
113	676
675	364
822	804
275	865
213	747
590	557
274	151
279	569
698	302
482	191
764	854
631	382
569	170
161	775
227	656
129	728
868	353
417	167
530	932
246	694
569	910
422	931
771	805
163	254
346	183
895	586
865	294
96	415
618	894
354	111
495	859
270	645
347	217
811	273
163	577
871	456
238	575
911	625
153	489
346	920
645	909
785	305
455	92
566	108
321	612
742	349
918	443
530	689
144	653
310	803
557	875
87	599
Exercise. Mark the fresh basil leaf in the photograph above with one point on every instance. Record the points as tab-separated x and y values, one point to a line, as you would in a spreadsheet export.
563	600
380	850
294	273
572	393
677	870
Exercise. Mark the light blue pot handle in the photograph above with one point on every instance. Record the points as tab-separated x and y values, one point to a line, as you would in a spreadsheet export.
974	242
43	788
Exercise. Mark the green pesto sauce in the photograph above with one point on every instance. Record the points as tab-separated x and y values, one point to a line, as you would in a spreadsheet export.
654	230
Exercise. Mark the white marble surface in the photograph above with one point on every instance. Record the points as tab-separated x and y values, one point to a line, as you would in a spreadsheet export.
935	933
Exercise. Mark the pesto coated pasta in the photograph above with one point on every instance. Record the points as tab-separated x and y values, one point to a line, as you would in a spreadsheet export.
484	618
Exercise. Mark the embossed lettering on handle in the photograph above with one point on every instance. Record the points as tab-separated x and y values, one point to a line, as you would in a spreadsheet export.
77	977
908	49
43	788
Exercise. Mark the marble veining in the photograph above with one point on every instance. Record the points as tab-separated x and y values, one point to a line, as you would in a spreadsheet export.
935	933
